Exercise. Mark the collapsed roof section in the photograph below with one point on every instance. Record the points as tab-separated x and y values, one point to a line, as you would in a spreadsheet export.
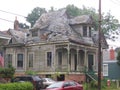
56	26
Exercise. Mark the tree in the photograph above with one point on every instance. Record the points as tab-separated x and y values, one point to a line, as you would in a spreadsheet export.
51	9
110	26
73	10
118	58
109	23
34	15
23	25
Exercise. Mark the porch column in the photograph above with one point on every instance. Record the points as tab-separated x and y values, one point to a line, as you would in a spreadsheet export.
68	58
25	65
77	59
54	59
14	59
85	60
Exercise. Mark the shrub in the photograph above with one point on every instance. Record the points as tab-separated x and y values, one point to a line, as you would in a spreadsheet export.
7	72
17	86
30	72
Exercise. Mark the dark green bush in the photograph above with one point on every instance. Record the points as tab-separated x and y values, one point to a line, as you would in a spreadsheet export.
7	72
17	86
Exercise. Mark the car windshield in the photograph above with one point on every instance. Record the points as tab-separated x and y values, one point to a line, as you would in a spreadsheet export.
56	85
36	78
50	80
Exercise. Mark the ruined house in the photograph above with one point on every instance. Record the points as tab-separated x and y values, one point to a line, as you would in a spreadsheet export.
56	44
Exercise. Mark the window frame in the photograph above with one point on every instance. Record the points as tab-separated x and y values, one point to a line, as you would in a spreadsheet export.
30	65
20	62
8	59
60	58
105	69
49	59
84	31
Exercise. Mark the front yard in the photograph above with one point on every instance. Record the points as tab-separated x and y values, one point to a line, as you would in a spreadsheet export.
94	86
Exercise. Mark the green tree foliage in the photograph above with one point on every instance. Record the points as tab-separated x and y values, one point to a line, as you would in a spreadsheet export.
118	58
73	10
110	26
51	9
109	23
23	25
34	15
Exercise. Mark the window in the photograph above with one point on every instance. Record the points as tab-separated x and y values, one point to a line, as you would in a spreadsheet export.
85	31
72	83
59	58
8	60
19	60
49	58
30	60
34	33
89	31
105	69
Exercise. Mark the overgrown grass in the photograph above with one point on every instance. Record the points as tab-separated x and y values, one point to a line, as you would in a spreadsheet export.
93	85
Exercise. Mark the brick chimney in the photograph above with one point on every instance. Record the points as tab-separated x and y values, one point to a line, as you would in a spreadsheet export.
16	24
112	54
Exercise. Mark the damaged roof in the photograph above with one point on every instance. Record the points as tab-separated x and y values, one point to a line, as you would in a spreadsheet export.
55	26
60	16
4	35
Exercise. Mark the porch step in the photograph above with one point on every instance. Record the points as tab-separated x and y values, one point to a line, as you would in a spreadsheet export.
92	76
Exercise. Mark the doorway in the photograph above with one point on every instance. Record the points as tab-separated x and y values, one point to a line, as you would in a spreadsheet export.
90	62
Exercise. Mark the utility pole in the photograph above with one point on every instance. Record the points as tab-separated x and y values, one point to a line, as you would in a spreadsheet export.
99	49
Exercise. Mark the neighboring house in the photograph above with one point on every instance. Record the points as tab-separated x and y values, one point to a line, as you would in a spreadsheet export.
56	44
111	69
4	39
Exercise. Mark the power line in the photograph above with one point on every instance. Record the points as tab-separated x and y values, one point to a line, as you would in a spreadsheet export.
117	2
6	20
13	13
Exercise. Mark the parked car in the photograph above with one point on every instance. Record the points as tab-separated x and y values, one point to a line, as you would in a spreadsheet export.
47	82
65	85
35	80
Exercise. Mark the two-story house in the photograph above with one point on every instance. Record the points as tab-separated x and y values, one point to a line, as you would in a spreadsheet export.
56	44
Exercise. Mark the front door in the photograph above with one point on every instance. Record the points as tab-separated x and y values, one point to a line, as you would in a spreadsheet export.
90	62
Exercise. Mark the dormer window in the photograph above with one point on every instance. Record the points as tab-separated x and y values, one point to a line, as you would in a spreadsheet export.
84	31
89	31
34	33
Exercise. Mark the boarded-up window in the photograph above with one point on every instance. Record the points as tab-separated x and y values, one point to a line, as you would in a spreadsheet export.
49	58
30	60
19	60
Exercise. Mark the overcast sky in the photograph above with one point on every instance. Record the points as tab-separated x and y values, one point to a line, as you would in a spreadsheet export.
23	7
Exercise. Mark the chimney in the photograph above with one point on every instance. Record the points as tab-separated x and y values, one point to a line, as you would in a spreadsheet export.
112	54
16	24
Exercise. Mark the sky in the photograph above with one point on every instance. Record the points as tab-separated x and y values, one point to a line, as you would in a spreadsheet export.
24	7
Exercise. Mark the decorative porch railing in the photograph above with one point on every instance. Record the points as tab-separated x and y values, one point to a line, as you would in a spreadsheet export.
61	68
